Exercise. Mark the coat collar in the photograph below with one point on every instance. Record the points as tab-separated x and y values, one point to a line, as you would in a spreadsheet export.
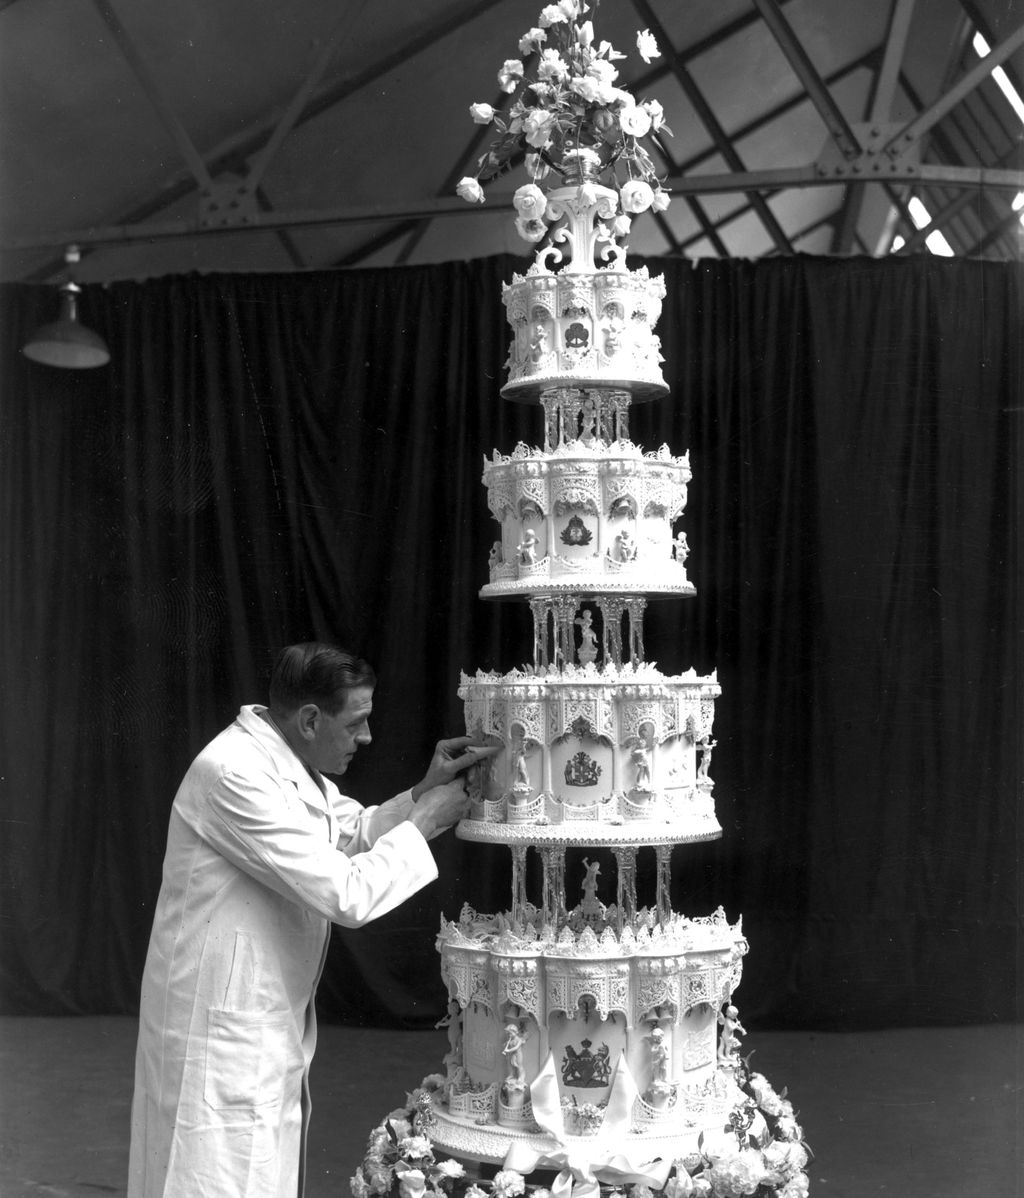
287	761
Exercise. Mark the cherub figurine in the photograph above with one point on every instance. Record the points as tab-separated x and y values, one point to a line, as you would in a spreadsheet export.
538	341
589	885
643	767
680	548
453	1057
527	547
512	1051
659	1055
625	546
705	744
587	651
732	1029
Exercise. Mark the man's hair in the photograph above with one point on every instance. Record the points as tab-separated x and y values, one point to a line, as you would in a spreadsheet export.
316	673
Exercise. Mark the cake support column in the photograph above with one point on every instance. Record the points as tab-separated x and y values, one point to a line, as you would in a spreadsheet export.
553	862
519	898
664	892
625	897
635	606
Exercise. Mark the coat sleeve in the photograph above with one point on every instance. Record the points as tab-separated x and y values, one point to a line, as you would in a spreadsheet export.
360	827
263	827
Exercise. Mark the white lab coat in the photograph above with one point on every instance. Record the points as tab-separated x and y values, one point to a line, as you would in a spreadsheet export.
259	863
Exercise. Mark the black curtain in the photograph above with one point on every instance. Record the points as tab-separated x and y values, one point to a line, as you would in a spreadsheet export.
273	458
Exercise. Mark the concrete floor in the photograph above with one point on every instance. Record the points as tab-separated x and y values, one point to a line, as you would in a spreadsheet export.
934	1113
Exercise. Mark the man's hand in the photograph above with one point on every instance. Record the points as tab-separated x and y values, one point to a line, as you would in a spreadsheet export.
450	758
439	807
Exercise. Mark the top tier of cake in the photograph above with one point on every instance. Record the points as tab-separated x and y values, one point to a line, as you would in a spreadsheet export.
584	325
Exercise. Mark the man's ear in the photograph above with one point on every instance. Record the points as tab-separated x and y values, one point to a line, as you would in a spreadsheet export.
307	720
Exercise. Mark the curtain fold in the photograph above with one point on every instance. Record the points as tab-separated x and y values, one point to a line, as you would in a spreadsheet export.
272	458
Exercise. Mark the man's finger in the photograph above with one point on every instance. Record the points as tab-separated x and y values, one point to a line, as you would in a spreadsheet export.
454	742
473	754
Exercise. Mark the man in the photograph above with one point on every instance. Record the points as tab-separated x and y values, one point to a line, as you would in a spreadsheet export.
263	854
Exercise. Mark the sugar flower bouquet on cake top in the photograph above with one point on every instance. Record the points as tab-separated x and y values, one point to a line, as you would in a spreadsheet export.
758	1153
568	117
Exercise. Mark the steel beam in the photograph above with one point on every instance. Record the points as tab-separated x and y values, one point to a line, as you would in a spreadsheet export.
299	102
154	93
934	113
710	122
829	111
883	90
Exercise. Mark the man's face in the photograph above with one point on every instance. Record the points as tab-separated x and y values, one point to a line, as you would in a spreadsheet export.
338	736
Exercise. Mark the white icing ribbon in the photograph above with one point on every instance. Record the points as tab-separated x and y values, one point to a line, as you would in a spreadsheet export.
581	1164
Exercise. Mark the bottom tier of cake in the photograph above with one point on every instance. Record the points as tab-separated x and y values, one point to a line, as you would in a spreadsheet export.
740	1137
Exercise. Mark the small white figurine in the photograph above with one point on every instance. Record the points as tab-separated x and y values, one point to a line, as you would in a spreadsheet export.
659	1056
538	341
706	744
642	764
588	637
520	774
527	547
729	1041
512	1050
625	546
589	885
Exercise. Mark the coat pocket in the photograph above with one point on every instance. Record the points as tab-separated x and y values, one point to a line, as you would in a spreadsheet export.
247	1058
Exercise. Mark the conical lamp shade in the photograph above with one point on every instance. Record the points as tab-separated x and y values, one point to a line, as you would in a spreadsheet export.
65	342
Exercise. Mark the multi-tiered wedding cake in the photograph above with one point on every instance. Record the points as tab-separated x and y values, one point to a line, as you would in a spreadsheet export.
593	1039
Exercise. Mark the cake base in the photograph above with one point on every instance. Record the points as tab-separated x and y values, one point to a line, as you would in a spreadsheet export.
492	1144
630	834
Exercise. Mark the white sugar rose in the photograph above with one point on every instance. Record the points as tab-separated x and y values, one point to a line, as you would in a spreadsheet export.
785	1158
586	88
530	202
738	1174
635	121
660	200
531	40
788	1128
636	196
796	1187
415	1147
602	70
470	189
646	45
510	74
482	114
655	111
538	126
552	14
450	1168
552	67
530	230
767	1099
412	1184
508	1183
679	1186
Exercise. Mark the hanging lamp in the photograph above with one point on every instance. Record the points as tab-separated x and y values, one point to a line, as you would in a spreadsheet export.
66	342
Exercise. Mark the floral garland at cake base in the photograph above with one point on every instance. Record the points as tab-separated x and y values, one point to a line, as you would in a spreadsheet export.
759	1153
